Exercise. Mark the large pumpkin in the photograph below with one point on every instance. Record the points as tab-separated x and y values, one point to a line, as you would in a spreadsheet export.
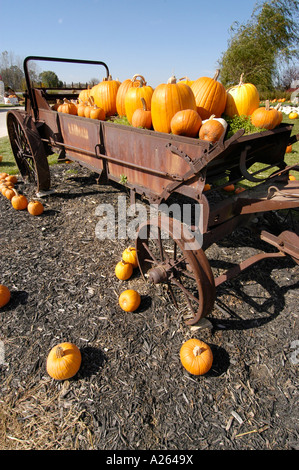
104	95
122	91
133	98
210	96
242	99
169	98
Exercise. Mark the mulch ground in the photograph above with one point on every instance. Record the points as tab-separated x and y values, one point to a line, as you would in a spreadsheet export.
131	391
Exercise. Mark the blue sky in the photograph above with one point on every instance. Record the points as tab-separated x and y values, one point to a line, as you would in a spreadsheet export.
156	39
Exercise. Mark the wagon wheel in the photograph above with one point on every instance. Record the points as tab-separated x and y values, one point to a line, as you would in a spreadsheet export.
164	257
28	150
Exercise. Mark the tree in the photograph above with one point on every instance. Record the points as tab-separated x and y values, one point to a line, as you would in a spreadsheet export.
49	79
257	47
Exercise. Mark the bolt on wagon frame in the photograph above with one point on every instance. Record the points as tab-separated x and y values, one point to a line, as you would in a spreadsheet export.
162	168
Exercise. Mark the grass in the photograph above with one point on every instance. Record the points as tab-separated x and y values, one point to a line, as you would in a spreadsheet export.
8	164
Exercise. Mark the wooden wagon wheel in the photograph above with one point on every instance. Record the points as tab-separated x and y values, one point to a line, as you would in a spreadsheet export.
28	150
164	257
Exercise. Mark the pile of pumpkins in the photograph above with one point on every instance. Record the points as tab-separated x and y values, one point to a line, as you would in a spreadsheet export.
18	201
182	107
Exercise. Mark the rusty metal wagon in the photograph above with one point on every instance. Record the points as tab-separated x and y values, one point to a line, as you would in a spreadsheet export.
162	169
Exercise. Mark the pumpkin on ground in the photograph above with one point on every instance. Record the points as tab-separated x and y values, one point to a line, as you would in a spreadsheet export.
35	208
63	361
289	149
11	179
142	117
210	96
123	270
129	300
130	256
104	95
293	115
169	98
4	295
242	99
19	201
265	117
8	193
186	122
196	356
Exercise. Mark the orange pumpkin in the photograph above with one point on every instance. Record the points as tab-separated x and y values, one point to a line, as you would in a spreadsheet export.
19	202
196	356
134	95
121	93
210	96
35	208
186	122
8	192
265	117
130	256
63	361
129	300
211	130
169	98
104	95
142	117
4	295
11	179
289	149
84	95
242	99
68	107
123	270
97	113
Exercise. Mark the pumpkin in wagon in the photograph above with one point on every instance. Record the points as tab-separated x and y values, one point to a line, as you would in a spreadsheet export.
265	117
63	361
242	99
134	95
186	122
142	117
196	356
210	96
169	98
122	91
104	95
211	130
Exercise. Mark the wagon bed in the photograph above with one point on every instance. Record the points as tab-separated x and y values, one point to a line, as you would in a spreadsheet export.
162	168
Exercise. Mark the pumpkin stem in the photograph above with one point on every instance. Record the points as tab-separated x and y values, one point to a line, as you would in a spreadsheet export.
216	74
59	352
198	350
267	105
172	79
143	103
140	76
241	80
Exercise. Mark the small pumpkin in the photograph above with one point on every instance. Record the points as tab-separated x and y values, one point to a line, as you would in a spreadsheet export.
63	361
56	105
292	178
68	107
142	117
211	130
19	201
8	192
229	188
1	158
11	179
129	300
293	115
186	122
35	207
4	295
3	175
97	113
265	117
289	149
84	95
130	256
196	356
81	108
123	270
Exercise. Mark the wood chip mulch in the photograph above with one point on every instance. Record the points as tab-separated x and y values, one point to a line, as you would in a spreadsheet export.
131	392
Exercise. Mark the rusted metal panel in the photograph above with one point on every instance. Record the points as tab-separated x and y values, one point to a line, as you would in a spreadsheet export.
147	149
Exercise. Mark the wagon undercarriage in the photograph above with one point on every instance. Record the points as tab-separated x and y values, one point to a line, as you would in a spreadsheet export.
162	168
